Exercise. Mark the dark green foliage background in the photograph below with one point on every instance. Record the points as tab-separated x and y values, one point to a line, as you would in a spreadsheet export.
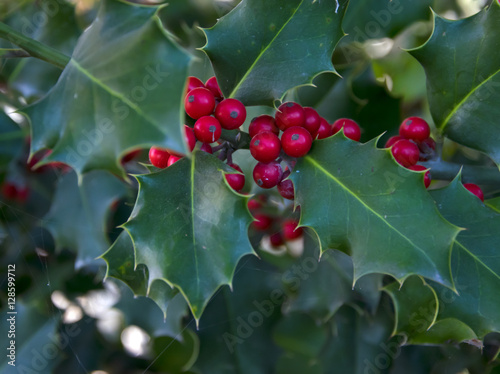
408	279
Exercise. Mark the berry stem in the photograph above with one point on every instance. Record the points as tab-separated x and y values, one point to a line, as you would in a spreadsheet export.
217	148
477	174
238	139
229	155
33	47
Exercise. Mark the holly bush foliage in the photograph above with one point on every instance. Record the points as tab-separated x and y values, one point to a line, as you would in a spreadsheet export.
126	268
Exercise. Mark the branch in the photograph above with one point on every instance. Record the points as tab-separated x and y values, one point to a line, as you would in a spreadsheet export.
476	174
34	48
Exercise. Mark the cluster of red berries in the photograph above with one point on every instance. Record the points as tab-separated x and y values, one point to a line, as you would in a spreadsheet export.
14	192
279	230
300	127
205	103
414	144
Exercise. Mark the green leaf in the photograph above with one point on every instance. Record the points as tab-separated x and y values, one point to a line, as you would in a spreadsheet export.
174	356
359	343
97	112
321	288
120	261
415	304
142	312
475	260
293	363
189	228
33	77
11	139
33	332
357	96
494	203
236	329
378	212
462	64
77	217
377	19
262	49
300	334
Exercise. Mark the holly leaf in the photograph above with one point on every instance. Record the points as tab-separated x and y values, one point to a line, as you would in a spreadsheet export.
462	64
321	288
77	217
407	299
299	333
32	332
121	265
416	306
243	321
358	96
377	19
96	112
358	341
475	261
290	41
30	76
11	140
143	311
376	211
120	261
187	227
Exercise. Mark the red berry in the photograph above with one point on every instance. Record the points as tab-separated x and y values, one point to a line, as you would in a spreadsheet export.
213	86
296	141
262	222
427	176
285	188
189	137
351	128
192	83
290	230
231	113
253	204
475	189
312	121
207	129
173	159
267	175
236	181
263	123
392	140
276	239
265	146
129	156
199	102
289	114
206	148
9	190
415	128
405	152
159	157
22	194
325	129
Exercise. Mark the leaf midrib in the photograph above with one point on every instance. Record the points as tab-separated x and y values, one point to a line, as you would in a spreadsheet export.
476	259
264	51
344	187
116	94
465	99
192	226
